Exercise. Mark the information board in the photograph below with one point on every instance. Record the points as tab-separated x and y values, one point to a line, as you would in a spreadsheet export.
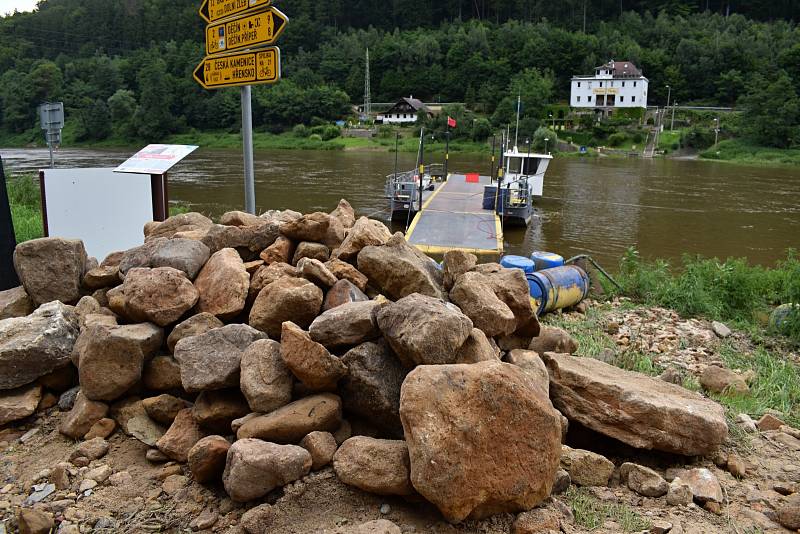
156	159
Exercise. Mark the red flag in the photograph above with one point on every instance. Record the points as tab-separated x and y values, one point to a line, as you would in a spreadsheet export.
451	122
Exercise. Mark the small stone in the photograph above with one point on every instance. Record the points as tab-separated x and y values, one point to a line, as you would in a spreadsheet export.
379	526
721	330
661	527
747	424
321	446
643	480
181	436
769	422
704	485
168	471
736	466
789	512
40	493
257	520
164	408
207	459
562	483
101	429
723	381
193	326
87	485
60	477
99	474
34	521
205	520
385	509
94	449
679	493
586	468
121	479
156	456
255	467
537	521
713	507
174	483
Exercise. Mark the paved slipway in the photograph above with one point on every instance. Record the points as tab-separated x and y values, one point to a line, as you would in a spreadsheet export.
467	416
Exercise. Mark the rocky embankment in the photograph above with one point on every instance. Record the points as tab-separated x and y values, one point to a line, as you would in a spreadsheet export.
299	373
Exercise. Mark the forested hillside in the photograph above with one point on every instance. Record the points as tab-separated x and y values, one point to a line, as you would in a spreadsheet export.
123	67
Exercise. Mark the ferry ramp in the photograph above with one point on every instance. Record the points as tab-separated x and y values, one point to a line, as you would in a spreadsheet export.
453	218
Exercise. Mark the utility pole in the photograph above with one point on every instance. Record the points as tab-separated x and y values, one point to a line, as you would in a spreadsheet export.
584	16
367	92
247	140
672	124
716	131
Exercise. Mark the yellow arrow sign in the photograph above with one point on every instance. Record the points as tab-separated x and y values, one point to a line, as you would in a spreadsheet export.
214	10
242	68
245	32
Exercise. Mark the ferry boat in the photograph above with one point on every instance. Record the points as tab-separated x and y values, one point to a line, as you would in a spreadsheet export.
521	179
402	190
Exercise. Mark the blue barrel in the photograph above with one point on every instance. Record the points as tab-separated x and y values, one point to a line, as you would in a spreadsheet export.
518	262
546	260
558	288
489	197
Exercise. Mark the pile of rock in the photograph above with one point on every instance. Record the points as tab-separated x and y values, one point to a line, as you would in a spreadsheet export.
262	348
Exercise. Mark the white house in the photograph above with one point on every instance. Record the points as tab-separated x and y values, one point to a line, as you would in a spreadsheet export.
405	111
617	84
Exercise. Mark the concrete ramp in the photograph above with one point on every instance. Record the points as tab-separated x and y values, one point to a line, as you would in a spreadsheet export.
453	218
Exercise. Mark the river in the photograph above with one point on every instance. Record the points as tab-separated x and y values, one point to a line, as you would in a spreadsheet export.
664	208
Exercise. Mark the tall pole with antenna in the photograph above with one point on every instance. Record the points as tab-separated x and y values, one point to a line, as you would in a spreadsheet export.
516	134
367	92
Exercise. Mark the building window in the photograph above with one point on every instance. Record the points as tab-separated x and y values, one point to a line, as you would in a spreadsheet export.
634	84
579	99
621	99
623	84
590	98
633	99
579	84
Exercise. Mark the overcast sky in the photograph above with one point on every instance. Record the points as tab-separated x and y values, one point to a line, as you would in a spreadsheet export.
8	6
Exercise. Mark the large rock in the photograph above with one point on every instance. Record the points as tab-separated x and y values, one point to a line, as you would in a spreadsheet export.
454	264
345	213
511	286
342	292
459	419
364	233
214	411
478	302
287	299
281	251
254	468
477	348
131	416
83	415
424	330
51	269
247	240
162	373
265	275
265	380
109	365
207	459
223	285
184	433
552	339
643	480
311	227
309	361
294	421
36	345
184	222
160	295
19	403
315	271
789	512
311	250
187	255
347	325
643	412
15	303
212	360
531	363
586	468
377	466
344	271
399	270
719	380
371	388
193	326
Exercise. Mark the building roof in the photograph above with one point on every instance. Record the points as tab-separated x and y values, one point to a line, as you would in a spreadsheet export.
621	68
415	103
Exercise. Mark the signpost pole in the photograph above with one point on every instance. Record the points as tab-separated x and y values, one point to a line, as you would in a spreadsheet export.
247	137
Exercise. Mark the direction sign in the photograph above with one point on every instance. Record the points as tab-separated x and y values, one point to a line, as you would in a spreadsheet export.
242	68
245	32
214	10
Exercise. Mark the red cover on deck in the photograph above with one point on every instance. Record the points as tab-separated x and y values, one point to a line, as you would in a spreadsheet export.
473	178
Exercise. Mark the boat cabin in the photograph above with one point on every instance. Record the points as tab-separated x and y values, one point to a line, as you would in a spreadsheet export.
523	169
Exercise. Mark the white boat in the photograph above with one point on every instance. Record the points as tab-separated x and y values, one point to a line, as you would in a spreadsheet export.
521	181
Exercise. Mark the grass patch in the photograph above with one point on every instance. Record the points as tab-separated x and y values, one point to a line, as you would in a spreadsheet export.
591	513
588	330
743	151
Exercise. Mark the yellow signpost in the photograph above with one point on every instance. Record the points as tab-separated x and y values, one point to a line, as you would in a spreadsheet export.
240	68
250	31
214	10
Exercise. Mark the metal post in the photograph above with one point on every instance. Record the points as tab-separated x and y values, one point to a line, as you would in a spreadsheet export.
50	146
672	124
421	164
447	154
247	139
716	131
494	147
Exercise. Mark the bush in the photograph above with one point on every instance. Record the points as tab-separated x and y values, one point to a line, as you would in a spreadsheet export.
315	137
697	138
327	132
539	139
638	137
301	131
386	131
617	139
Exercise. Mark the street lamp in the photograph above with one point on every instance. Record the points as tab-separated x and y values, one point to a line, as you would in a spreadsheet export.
552	118
672	124
669	94
716	131
546	140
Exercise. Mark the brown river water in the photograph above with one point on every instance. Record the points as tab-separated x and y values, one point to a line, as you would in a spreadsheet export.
664	208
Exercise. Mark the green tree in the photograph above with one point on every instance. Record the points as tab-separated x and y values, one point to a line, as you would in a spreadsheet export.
122	108
153	119
772	112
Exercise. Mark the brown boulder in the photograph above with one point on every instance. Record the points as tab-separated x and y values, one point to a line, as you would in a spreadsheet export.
193	326
164	408
214	411
309	361
311	250
477	348
162	373
478	302
187	255
240	218
247	240
109	365
347	325
789	512
207	459
83	415
15	303
160	296
184	222
184	433
374	465
344	271
281	251
32	521
399	270
424	330
213	360
345	213
287	299
530	362
552	339
19	403
718	380
311	227
223	284
294	421
51	269
455	263
265	380
454	417
315	271
264	276
342	292
511	286
364	233
641	411
321	446
101	277
254	468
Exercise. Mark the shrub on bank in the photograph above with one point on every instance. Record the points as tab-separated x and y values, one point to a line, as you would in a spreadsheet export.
730	290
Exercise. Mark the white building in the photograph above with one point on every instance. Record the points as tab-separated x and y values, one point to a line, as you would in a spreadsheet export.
405	111
617	84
